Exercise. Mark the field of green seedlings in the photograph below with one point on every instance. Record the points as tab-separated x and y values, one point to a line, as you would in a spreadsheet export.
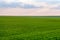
29	28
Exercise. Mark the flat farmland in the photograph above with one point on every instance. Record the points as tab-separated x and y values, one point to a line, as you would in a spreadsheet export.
29	27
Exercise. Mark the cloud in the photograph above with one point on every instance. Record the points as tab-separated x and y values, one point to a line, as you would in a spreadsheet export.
30	3
16	5
57	7
49	3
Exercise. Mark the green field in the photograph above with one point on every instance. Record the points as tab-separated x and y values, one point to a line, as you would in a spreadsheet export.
29	28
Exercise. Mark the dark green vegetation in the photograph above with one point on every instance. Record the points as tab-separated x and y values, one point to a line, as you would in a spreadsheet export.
29	28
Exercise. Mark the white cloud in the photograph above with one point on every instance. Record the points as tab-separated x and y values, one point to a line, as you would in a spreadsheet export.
38	3
24	1
8	1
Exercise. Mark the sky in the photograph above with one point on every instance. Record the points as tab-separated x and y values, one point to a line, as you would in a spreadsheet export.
30	3
29	7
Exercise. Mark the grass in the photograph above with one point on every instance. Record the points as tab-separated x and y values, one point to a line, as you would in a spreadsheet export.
29	28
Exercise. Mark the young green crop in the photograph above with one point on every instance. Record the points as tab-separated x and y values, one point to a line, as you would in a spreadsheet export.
29	28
